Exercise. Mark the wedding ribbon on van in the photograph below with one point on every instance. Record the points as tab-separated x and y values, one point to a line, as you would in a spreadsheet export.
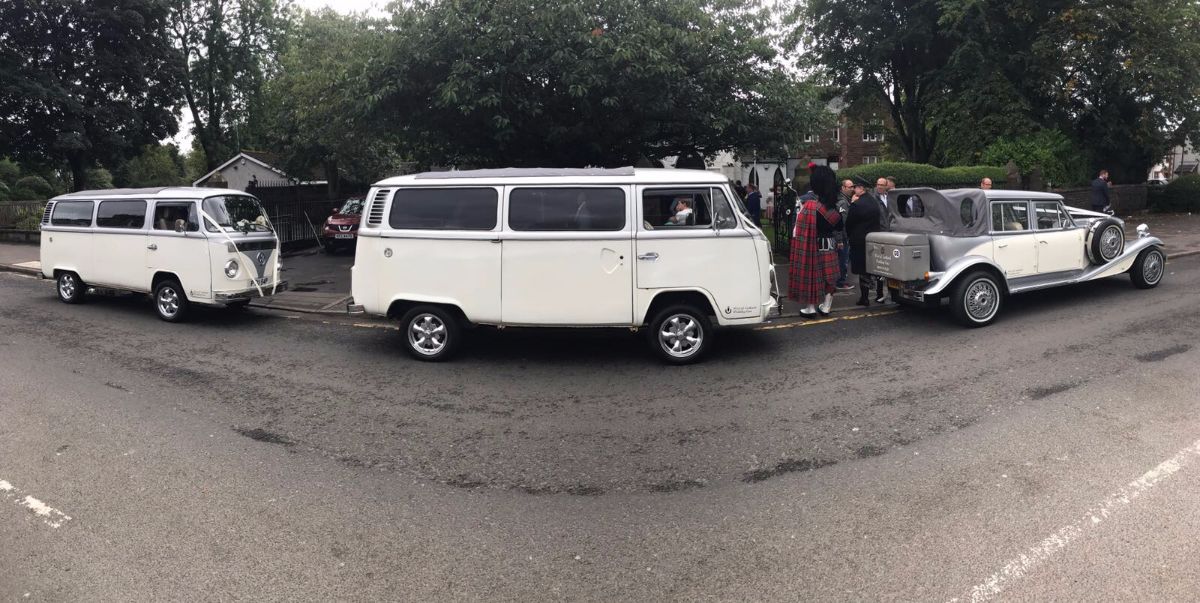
275	267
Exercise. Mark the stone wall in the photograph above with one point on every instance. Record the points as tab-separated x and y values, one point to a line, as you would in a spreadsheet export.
1126	198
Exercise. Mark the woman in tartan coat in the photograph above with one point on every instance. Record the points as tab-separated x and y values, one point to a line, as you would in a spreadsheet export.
813	274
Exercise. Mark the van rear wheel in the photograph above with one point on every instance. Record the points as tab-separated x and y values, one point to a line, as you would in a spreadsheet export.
170	301
70	288
680	334
431	334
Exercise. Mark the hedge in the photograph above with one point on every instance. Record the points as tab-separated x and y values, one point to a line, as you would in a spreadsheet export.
920	174
1182	194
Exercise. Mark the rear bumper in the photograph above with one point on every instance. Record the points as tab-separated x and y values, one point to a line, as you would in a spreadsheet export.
244	294
354	309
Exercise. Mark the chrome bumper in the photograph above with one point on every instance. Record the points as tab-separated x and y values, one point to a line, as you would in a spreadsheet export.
230	296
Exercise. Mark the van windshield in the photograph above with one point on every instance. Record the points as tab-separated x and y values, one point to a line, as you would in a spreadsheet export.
237	213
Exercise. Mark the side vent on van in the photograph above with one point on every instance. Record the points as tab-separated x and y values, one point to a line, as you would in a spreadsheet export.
46	214
375	216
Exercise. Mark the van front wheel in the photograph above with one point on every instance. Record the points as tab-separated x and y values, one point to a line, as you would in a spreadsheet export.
170	302
431	333
680	334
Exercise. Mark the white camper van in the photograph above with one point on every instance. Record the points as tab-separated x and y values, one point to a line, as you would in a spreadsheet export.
668	250
184	246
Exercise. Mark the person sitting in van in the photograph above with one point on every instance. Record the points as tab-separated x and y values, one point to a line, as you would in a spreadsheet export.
683	210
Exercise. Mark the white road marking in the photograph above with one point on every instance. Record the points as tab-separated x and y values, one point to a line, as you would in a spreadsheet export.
49	515
1052	544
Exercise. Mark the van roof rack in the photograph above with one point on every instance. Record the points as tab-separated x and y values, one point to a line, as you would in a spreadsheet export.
524	173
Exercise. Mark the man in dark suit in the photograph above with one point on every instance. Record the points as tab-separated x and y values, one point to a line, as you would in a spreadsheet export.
754	203
1100	199
861	220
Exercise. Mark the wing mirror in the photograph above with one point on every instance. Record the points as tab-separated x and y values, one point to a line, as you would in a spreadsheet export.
337	210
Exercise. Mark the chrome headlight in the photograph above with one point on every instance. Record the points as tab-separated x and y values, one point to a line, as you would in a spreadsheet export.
1143	231
231	268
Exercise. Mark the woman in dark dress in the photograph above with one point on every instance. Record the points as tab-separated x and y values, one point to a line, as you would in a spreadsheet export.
862	220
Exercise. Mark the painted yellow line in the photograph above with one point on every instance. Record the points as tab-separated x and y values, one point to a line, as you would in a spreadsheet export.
823	321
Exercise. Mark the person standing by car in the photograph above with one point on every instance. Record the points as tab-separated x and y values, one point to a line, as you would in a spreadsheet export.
813	275
862	220
754	203
1100	199
986	183
843	244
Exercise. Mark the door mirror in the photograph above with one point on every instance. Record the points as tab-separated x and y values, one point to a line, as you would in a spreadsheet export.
337	210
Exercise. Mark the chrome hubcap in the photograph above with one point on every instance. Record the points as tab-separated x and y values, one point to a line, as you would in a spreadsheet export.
66	286
427	334
981	299
1110	242
681	336
168	301
1153	268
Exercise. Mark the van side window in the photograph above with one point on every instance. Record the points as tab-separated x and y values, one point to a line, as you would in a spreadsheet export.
566	209
121	214
444	209
676	208
167	215
723	214
72	213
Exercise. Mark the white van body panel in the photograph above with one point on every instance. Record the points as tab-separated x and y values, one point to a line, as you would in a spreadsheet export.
584	278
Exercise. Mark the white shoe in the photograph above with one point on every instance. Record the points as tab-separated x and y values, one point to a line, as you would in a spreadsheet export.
809	310
827	305
881	298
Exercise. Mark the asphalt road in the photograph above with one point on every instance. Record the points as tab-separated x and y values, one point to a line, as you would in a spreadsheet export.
894	456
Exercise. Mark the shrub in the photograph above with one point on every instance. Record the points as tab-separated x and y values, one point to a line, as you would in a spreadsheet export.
1182	194
9	171
5	192
32	187
1061	163
920	174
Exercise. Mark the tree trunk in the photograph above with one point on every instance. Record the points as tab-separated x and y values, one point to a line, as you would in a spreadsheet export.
333	186
78	171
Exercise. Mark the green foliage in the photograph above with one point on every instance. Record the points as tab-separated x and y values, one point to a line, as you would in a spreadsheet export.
919	174
29	188
84	81
98	178
229	50
492	82
28	218
5	191
1059	159
158	165
9	171
1181	194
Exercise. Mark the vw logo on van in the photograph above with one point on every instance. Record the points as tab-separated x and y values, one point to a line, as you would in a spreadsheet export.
261	258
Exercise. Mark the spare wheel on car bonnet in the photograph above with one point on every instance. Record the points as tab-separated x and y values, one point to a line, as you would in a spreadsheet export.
1105	241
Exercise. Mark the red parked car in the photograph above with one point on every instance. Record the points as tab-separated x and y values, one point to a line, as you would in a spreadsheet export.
341	229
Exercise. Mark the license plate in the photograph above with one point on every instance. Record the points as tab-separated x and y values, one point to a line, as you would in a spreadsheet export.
343	236
262	280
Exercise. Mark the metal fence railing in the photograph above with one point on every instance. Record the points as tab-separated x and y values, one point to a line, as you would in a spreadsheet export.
21	215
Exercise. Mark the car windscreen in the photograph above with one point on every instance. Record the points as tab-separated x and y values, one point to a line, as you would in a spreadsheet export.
239	213
352	206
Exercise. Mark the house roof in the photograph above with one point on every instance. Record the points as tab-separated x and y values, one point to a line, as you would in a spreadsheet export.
248	155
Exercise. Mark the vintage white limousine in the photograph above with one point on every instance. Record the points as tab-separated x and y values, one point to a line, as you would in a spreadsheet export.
975	247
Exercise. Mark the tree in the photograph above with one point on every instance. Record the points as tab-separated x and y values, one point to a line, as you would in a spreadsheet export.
157	165
890	53
494	82
84	81
319	103
228	50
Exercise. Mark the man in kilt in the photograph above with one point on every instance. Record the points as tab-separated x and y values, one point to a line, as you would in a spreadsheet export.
813	273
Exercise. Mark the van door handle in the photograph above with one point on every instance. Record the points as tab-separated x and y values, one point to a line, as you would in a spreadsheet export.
1002	245
1044	242
648	256
152	247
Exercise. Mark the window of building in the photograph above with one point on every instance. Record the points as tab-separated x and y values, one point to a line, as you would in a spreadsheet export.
812	138
72	213
558	209
444	209
676	208
873	131
121	214
868	159
837	134
177	215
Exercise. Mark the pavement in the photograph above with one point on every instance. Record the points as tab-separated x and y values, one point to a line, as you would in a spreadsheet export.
320	282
